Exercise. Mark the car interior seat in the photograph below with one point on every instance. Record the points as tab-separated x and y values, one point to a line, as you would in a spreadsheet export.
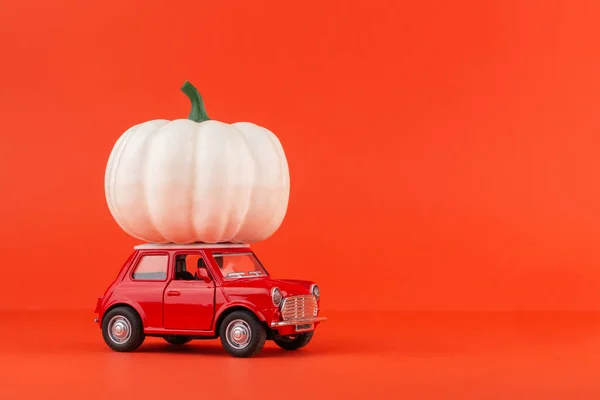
180	272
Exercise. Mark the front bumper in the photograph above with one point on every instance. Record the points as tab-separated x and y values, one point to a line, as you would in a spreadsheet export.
292	327
277	324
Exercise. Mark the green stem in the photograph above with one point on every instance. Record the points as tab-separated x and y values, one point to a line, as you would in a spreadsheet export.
198	113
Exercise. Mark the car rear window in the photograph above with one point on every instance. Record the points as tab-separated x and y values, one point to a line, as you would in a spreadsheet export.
152	267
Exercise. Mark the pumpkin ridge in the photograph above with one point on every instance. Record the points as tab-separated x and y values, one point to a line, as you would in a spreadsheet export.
109	177
118	216
227	214
252	186
143	167
280	151
194	183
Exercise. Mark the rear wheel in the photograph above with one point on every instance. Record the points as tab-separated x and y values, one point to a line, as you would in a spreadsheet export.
242	334
122	329
177	340
293	342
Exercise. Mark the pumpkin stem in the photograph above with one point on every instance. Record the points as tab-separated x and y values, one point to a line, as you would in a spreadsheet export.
198	113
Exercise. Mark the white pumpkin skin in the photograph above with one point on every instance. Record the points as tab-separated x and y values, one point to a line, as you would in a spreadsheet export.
183	181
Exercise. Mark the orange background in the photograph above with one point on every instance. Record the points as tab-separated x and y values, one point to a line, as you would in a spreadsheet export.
443	154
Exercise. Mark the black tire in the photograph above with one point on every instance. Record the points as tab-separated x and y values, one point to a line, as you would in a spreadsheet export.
243	344
177	340
293	342
129	321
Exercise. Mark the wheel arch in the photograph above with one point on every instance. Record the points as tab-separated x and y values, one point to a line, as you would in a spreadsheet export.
127	305
237	307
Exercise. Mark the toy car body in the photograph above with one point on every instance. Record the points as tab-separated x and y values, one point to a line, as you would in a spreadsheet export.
206	291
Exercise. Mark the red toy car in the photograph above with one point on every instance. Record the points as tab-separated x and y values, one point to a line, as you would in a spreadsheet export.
206	291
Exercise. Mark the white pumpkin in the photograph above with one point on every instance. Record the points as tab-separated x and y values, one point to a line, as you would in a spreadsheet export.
197	180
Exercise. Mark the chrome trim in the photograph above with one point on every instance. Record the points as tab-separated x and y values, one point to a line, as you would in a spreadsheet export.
238	334
251	274
234	275
280	295
276	324
299	307
119	329
312	288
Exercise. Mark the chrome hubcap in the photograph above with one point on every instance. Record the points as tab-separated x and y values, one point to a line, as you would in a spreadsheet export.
119	329
238	334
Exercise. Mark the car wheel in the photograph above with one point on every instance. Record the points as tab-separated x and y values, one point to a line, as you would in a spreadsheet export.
177	339
242	334
293	342
122	329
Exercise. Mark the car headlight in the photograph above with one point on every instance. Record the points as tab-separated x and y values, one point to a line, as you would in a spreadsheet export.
315	291
276	296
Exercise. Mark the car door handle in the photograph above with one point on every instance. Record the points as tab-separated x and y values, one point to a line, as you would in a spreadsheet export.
173	293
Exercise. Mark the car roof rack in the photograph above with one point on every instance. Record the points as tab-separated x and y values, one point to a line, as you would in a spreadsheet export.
199	245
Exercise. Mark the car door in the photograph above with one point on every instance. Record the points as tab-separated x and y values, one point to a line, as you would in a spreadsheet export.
188	300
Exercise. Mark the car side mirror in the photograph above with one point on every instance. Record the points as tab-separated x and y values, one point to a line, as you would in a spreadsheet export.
203	274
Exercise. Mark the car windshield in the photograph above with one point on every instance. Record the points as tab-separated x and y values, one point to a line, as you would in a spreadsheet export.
239	265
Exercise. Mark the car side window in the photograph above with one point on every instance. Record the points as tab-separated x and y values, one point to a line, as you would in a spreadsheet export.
190	267
152	267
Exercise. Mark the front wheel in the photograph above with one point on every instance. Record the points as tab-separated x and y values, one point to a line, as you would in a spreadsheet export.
293	342
242	334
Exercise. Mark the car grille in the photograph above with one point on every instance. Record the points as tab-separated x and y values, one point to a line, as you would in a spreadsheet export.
296	308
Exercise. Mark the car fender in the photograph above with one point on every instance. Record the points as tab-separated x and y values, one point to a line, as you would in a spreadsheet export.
125	302
225	307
